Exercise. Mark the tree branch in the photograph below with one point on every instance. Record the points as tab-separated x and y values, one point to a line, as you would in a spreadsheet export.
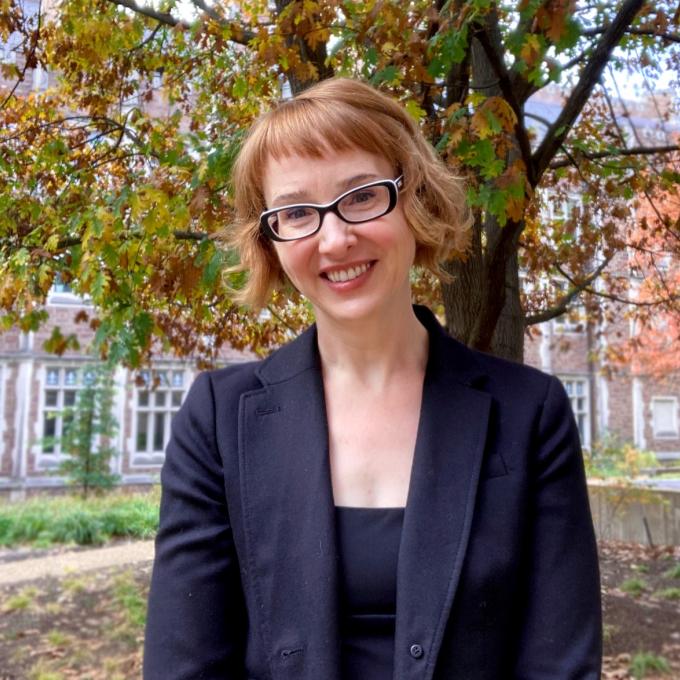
670	37
239	34
563	303
27	60
612	153
590	76
145	10
506	87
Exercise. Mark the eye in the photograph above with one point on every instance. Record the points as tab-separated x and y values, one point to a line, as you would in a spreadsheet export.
297	213
362	196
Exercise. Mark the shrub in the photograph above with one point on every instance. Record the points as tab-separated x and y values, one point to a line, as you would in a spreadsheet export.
673	572
633	586
646	662
44	521
610	458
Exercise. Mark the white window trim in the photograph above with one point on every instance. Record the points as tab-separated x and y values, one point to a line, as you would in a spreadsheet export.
49	461
675	433
562	324
588	412
144	460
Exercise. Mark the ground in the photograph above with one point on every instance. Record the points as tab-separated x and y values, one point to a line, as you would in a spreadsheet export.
89	625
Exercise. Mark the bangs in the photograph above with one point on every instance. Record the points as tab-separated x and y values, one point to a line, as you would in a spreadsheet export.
312	128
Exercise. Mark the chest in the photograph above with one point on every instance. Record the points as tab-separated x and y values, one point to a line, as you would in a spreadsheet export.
371	445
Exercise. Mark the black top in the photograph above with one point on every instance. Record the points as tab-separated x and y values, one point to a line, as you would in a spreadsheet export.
368	548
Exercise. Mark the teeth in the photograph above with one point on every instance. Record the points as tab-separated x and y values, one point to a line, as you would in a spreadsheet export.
339	276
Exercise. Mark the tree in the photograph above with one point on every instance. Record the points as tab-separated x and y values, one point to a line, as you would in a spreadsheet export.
86	441
119	185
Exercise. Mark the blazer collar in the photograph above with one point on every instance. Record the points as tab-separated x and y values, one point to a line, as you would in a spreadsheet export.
289	516
444	352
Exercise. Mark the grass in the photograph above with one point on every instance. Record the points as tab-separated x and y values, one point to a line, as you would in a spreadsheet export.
644	663
669	593
22	600
130	600
634	586
673	572
42	522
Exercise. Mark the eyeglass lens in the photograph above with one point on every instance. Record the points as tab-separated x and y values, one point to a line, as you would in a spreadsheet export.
361	205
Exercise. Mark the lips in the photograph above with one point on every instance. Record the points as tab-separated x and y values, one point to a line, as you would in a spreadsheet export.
343	275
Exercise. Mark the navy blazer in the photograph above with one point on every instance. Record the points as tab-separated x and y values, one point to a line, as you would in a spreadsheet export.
497	574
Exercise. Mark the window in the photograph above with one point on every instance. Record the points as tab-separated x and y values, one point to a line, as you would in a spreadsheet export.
40	79
665	417
156	401
59	393
579	396
9	49
573	320
58	286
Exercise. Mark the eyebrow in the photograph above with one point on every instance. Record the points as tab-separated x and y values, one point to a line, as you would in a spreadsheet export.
345	185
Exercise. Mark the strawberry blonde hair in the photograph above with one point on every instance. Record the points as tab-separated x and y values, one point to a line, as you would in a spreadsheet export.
340	114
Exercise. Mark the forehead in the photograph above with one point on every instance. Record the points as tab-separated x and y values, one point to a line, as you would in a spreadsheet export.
319	179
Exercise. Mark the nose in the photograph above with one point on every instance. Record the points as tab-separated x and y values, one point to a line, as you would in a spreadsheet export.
335	235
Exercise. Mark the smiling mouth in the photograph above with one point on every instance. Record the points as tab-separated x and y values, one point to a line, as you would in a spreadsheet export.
343	275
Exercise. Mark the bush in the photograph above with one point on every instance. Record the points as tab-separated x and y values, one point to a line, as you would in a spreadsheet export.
45	521
644	663
633	586
610	458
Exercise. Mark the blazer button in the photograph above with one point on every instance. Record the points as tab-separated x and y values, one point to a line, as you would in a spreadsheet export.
416	651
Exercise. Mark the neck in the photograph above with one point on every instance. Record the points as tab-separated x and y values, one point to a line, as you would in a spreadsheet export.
373	351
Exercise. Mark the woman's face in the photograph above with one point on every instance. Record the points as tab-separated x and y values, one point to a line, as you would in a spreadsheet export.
349	272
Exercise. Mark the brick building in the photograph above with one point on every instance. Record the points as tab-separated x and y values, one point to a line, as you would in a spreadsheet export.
36	386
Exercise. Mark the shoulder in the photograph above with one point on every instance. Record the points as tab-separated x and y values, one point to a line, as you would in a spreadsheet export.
236	377
283	363
503	375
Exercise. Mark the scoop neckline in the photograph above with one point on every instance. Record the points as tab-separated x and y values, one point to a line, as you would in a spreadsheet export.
361	507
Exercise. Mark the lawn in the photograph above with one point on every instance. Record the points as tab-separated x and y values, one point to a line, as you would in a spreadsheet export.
90	626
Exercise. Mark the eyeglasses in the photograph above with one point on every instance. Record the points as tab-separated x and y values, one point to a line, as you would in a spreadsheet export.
361	204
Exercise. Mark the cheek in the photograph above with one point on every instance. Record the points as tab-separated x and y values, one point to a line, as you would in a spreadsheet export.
291	258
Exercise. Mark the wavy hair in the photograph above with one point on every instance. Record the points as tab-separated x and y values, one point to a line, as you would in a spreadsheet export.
340	114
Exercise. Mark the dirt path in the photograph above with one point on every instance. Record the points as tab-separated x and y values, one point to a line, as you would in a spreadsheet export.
70	562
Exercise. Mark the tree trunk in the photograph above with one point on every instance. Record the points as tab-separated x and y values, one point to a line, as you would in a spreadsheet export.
482	304
463	295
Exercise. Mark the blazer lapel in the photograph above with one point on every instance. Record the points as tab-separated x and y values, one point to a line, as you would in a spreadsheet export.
289	515
441	499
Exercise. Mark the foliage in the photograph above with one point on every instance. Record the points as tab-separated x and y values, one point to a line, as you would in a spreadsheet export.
644	663
673	572
672	593
633	586
130	601
47	521
116	176
90	427
609	458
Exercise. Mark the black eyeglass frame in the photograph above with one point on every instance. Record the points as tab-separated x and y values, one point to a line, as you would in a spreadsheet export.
394	186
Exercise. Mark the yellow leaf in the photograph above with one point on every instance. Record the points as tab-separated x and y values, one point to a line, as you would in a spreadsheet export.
502	111
531	49
414	110
480	124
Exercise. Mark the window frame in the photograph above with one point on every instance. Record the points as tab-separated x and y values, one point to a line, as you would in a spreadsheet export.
587	413
51	459
151	456
664	434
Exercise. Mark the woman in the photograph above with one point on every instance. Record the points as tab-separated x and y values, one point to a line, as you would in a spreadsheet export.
374	500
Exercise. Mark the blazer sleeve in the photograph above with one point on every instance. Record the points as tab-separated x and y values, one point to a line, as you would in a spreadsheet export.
196	621
561	635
